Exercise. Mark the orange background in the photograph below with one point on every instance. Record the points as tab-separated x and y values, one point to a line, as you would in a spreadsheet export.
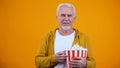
24	22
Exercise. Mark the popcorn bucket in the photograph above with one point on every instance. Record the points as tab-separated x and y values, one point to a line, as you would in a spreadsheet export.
74	54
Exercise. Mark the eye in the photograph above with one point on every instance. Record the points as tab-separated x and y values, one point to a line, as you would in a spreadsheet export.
63	15
69	15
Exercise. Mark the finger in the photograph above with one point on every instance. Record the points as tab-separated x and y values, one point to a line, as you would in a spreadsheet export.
83	58
71	63
75	61
61	53
83	61
60	56
75	66
61	61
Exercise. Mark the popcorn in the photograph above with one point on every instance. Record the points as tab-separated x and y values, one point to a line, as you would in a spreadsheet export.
75	53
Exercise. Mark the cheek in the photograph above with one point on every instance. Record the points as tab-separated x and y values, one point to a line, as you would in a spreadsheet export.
71	19
60	19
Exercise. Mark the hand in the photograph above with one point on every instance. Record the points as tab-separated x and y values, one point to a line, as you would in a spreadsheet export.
78	63
61	57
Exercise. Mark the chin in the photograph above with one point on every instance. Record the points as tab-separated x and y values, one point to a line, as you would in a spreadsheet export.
66	27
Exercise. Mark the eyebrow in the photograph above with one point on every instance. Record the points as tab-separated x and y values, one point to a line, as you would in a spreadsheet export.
63	14
66	14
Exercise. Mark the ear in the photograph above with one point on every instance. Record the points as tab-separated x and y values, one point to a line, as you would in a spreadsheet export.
57	17
74	17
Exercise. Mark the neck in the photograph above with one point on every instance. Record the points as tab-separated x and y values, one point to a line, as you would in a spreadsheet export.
65	32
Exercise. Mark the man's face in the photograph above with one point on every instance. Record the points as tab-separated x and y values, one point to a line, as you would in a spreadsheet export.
65	17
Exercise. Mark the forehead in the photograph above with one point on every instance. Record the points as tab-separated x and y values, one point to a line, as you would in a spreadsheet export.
66	10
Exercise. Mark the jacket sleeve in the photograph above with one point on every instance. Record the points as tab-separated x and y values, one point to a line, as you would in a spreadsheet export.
90	60
42	60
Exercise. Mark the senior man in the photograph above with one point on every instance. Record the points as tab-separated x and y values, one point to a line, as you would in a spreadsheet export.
51	53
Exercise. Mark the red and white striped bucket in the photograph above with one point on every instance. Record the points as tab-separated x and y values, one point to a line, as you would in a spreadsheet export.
75	53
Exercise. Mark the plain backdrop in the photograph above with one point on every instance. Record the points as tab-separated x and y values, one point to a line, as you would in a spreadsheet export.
23	23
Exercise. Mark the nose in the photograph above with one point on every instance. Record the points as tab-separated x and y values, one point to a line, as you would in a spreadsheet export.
66	17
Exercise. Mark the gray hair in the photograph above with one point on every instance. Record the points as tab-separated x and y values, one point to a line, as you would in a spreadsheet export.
67	5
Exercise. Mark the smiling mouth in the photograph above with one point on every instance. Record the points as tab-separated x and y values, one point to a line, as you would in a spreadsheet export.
66	22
